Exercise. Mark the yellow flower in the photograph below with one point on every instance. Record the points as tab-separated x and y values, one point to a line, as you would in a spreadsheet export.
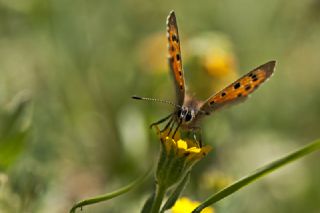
219	63
214	53
177	157
184	205
183	147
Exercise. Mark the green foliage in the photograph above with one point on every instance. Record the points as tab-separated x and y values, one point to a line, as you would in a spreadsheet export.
12	135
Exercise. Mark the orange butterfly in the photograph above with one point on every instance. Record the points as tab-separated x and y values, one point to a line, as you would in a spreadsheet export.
189	111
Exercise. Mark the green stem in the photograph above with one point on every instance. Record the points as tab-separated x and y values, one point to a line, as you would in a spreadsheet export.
160	192
110	195
312	147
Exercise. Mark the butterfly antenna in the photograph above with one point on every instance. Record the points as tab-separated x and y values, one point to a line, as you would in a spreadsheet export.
155	100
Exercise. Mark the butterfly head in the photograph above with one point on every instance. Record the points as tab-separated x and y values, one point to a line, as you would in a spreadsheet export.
186	114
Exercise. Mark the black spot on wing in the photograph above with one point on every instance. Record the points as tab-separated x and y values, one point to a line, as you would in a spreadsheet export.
254	77
174	38
237	85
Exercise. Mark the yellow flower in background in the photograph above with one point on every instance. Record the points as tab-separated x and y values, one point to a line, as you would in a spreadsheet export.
215	55
184	205
215	52
219	63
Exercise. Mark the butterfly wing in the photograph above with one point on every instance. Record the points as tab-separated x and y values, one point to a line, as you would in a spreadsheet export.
240	89
174	59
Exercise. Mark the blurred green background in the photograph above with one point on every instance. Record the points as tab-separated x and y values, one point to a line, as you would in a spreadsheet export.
69	130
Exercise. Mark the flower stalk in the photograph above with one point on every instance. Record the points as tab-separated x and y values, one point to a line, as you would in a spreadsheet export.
110	195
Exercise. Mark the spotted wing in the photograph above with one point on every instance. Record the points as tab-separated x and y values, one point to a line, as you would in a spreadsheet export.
174	59
240	89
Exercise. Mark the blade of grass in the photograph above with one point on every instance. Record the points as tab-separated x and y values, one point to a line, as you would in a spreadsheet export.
312	147
110	195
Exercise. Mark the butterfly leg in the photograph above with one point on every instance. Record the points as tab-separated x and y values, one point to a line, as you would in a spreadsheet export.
197	135
167	125
175	131
160	121
171	127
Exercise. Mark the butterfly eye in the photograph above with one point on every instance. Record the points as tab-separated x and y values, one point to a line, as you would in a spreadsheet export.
188	116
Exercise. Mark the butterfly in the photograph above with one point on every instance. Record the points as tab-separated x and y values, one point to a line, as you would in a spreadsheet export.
188	111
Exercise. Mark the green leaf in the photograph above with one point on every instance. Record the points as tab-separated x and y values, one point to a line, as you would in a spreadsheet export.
11	148
176	193
148	205
110	195
312	147
13	136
